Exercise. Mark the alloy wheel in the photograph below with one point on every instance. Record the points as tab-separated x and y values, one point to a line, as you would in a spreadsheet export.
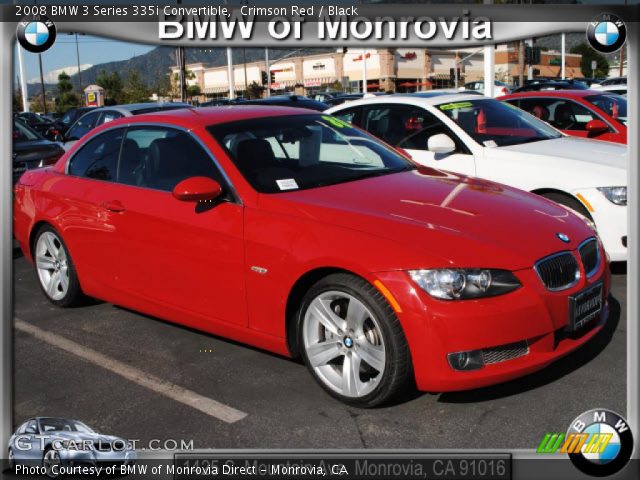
52	264
51	459
344	344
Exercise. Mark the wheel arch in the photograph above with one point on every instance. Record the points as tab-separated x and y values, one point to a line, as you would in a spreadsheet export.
32	234
296	294
543	191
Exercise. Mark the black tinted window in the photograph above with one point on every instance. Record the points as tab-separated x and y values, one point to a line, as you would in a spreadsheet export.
98	158
349	115
83	125
402	126
561	113
159	158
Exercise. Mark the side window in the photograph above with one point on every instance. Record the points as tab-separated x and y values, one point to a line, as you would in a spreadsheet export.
83	125
32	427
98	158
405	126
109	115
349	115
160	158
562	114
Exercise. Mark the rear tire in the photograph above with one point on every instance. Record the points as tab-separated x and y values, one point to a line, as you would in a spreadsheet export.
569	202
352	341
55	269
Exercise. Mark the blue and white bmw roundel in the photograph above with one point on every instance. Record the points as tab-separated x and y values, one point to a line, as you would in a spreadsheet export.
607	33
36	33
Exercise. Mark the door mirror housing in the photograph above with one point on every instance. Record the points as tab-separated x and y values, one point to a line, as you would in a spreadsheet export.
441	143
596	127
197	189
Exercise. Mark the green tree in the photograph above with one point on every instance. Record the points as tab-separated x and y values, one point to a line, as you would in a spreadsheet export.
588	55
65	99
193	90
136	91
254	90
112	84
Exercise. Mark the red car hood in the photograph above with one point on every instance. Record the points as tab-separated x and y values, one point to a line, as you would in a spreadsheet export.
444	218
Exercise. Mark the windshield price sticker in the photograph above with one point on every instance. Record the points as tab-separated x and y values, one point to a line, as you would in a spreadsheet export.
287	184
455	106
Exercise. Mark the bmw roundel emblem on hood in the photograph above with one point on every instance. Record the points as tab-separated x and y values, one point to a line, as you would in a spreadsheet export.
563	236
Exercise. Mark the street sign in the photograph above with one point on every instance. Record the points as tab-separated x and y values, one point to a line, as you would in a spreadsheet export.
594	64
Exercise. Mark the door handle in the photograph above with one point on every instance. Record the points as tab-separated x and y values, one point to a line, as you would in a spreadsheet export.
113	206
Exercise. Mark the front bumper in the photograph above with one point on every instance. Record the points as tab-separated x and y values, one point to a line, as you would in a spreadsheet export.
531	314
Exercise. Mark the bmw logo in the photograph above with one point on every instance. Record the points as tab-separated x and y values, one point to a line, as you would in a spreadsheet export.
37	34
563	237
606	33
607	444
348	342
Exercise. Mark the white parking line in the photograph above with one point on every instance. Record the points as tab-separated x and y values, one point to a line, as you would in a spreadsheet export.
175	392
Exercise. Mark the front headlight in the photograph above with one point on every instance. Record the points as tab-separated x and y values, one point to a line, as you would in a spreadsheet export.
617	195
461	284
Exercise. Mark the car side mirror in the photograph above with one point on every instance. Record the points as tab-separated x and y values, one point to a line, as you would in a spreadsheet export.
197	189
441	143
596	127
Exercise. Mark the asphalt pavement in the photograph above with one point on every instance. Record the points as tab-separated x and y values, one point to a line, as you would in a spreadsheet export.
141	378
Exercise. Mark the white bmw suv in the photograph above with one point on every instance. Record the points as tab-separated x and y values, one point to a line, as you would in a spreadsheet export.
483	137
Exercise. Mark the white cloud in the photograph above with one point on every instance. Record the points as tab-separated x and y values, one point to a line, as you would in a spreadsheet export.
52	76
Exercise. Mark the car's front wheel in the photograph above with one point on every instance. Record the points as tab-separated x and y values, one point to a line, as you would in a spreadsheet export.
55	268
51	462
352	341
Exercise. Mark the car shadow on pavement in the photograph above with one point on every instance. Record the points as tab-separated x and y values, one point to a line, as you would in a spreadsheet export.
549	374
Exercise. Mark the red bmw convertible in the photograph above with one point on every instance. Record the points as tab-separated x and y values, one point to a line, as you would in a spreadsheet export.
294	232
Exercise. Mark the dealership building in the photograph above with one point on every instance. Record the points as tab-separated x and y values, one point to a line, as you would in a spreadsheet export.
399	69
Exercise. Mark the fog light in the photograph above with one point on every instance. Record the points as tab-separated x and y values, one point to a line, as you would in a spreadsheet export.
469	360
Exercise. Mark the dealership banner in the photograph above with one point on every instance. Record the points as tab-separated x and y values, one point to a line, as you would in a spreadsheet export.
315	25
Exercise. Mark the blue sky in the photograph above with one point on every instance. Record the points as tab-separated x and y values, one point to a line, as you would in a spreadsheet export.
93	50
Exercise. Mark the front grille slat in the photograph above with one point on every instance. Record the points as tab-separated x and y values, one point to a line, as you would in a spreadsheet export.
505	352
559	271
590	256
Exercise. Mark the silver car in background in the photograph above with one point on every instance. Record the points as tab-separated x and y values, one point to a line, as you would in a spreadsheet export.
49	441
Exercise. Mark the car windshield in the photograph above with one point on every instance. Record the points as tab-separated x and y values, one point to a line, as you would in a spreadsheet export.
496	124
614	105
307	151
22	133
33	118
63	425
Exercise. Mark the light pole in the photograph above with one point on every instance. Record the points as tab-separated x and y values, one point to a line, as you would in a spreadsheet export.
44	98
79	70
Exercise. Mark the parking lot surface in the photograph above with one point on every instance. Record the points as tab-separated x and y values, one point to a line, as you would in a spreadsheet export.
138	377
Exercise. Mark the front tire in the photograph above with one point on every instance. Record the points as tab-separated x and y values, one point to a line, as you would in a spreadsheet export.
55	269
51	458
352	341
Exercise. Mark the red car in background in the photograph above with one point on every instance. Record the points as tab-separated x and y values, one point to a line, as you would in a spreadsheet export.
581	113
296	232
